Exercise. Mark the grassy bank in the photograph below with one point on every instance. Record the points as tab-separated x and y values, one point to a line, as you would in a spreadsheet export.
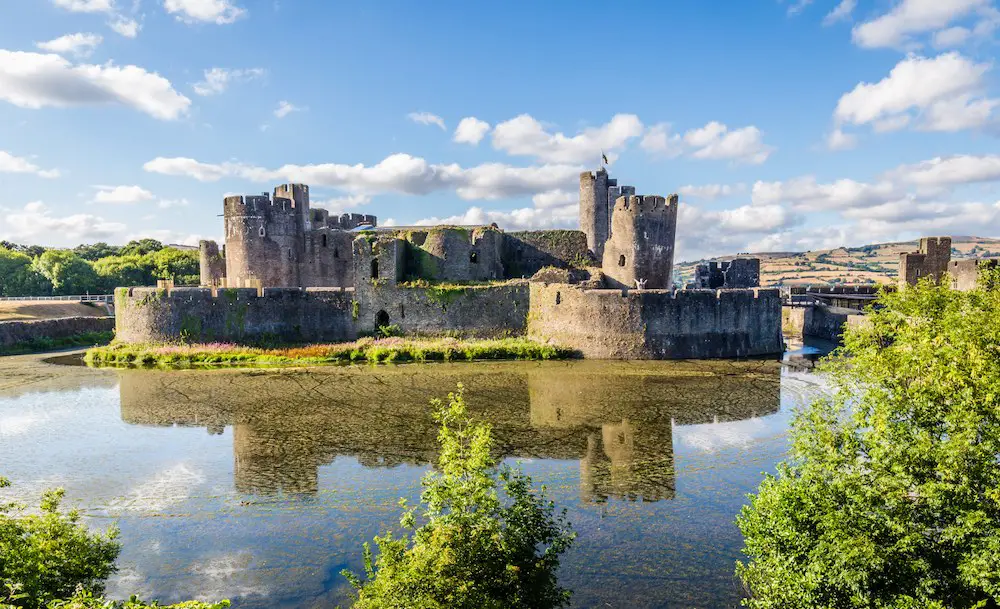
365	350
87	339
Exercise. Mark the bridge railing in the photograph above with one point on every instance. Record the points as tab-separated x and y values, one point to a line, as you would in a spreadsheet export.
75	298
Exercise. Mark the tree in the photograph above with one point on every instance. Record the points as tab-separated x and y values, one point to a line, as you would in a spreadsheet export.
179	265
18	278
117	271
488	541
68	273
140	247
45	556
96	251
890	496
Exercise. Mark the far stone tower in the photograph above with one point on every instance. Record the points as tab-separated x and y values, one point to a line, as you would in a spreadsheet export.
641	247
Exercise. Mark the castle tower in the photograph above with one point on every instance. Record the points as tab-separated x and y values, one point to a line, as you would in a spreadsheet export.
594	218
298	194
641	246
932	260
264	240
211	264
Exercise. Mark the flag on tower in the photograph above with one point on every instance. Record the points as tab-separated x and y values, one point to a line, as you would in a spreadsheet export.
604	158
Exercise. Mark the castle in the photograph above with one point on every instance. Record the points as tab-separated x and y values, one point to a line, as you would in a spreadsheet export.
933	260
291	273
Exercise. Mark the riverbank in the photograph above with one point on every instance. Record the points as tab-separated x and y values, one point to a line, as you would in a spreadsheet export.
44	343
365	350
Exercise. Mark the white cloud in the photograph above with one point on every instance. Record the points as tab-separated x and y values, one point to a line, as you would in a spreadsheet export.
838	140
525	136
217	80
204	11
13	164
912	17
338	205
121	195
471	130
167	237
555	198
399	173
806	194
740	220
525	218
35	223
940	172
709	192
841	12
945	92
658	140
426	118
172	203
34	80
86	6
798	6
716	141
125	26
78	44
285	108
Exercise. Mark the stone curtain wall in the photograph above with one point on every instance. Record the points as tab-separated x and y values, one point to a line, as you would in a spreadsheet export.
476	310
527	252
234	314
658	324
16	332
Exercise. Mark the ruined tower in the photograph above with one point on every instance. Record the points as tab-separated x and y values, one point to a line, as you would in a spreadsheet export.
932	260
641	247
598	194
265	237
212	264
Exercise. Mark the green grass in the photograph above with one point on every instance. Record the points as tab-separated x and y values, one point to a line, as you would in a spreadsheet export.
87	339
365	350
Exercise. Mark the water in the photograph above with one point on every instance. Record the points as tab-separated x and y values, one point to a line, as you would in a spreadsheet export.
261	485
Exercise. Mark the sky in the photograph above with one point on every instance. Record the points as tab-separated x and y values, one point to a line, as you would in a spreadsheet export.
784	125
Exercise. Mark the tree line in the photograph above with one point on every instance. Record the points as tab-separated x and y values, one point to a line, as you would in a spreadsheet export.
98	268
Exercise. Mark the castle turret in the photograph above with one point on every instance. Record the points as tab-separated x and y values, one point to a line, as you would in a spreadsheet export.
212	264
594	209
264	241
640	250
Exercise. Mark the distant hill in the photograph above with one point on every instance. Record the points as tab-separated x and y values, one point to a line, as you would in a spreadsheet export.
877	263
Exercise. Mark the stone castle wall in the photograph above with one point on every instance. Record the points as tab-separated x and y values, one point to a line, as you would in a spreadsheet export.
454	254
527	252
657	324
930	261
234	314
19	331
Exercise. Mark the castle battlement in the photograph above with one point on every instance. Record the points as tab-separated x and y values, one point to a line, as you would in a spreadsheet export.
645	204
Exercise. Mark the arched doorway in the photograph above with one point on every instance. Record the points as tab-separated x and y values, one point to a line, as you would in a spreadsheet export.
381	319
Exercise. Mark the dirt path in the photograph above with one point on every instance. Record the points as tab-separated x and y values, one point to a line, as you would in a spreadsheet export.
11	310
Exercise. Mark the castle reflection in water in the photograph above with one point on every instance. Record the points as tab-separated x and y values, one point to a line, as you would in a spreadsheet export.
616	418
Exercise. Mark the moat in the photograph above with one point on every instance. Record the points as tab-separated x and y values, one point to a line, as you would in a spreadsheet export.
261	485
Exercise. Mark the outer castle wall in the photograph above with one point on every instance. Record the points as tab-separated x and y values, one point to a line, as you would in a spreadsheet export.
658	324
238	314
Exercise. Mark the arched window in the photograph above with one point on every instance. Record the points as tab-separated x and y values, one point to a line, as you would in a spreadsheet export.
381	319
261	231
474	257
621	260
324	239
558	297
374	269
336	253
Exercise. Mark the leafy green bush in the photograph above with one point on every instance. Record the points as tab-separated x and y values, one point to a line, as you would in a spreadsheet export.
46	555
86	600
487	542
890	497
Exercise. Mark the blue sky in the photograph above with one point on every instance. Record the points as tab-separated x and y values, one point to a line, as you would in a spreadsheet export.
783	125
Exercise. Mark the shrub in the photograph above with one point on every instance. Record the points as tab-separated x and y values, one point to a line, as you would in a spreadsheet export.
46	555
890	497
488	541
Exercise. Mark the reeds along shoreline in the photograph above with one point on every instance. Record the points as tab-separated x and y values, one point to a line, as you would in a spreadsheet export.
365	350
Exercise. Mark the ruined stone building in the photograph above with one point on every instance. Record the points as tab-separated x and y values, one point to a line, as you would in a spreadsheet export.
736	273
280	241
934	260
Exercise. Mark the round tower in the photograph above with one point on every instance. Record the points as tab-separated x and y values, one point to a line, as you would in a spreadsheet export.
264	239
211	264
640	251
